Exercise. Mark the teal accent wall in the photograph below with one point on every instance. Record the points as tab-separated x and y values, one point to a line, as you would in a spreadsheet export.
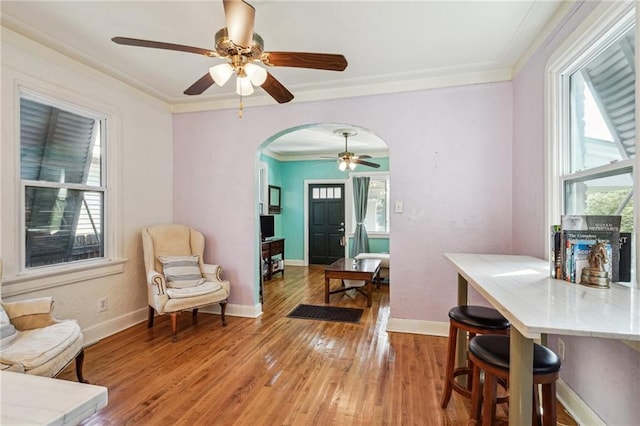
290	176
274	179
376	245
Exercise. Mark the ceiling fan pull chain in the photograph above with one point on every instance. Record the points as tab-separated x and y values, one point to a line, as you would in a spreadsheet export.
240	110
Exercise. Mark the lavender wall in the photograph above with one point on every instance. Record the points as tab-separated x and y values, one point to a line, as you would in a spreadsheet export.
604	373
450	156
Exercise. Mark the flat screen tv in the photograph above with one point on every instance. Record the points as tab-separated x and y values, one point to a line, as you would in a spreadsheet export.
267	227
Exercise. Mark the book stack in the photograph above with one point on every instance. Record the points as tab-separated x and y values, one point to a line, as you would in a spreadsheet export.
573	240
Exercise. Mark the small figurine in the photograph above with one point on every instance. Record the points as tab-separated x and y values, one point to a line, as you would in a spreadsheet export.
596	275
597	256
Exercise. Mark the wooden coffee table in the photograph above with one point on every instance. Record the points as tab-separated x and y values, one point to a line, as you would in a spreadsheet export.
366	270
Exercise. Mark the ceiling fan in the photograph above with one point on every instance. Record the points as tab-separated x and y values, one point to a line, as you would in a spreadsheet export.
348	159
243	49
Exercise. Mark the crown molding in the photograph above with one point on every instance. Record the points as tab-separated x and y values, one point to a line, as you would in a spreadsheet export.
479	73
352	89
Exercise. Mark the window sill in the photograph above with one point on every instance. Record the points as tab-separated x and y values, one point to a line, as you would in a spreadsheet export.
374	236
30	281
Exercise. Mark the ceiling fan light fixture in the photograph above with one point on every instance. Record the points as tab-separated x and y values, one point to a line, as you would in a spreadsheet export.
352	165
256	74
342	165
221	73
244	86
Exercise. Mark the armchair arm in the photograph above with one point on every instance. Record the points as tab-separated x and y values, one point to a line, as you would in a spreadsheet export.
157	291
159	281
212	272
31	314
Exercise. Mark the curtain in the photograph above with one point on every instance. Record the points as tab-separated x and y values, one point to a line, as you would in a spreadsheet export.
360	199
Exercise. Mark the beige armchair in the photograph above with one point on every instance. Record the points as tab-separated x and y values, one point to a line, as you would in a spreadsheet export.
177	277
33	341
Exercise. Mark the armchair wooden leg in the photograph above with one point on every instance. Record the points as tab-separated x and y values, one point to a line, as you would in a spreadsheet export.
194	316
174	326
79	364
223	308
151	315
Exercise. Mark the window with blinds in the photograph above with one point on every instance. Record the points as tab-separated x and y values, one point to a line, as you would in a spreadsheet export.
61	173
597	177
592	138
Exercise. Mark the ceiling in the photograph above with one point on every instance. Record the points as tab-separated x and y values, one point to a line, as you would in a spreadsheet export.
391	46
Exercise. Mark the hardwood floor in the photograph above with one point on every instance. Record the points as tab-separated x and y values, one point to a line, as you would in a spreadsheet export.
274	370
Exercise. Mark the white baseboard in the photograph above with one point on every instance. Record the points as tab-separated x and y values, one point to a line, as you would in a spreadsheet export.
430	328
294	262
245	311
578	409
105	329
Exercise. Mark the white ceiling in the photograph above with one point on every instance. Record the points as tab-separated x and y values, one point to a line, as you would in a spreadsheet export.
390	45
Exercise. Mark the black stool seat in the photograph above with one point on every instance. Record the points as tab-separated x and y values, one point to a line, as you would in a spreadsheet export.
494	349
490	353
467	321
479	316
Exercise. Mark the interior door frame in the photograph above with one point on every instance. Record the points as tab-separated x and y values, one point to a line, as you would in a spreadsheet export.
348	207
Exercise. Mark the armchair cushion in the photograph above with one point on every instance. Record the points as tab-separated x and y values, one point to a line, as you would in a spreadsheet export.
42	344
197	290
34	348
30	314
181	271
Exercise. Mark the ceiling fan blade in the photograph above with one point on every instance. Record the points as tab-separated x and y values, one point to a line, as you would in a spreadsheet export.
239	17
363	156
365	163
319	61
277	91
161	45
200	86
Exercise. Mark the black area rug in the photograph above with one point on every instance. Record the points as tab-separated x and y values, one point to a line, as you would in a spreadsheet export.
326	313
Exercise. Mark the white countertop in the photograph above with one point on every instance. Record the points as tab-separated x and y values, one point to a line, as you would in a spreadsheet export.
521	288
35	400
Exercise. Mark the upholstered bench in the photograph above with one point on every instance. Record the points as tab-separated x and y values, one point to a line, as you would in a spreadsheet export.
384	262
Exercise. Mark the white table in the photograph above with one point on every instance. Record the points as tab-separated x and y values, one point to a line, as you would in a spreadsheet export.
35	400
520	288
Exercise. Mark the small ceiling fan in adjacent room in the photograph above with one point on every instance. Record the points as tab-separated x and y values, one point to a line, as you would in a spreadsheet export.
349	160
243	50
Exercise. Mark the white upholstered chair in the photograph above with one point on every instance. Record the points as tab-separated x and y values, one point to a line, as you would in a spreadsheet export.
33	341
177	277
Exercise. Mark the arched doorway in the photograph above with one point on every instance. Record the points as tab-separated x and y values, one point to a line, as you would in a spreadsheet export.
300	162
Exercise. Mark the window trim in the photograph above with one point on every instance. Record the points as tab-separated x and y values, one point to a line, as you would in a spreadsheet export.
606	20
19	280
349	191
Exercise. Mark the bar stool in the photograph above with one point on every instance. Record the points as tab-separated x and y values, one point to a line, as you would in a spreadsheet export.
472	320
491	355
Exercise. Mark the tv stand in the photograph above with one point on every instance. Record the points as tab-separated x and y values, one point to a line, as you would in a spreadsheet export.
272	254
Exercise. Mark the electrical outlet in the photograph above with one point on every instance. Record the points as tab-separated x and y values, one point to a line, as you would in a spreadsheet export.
561	352
102	305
